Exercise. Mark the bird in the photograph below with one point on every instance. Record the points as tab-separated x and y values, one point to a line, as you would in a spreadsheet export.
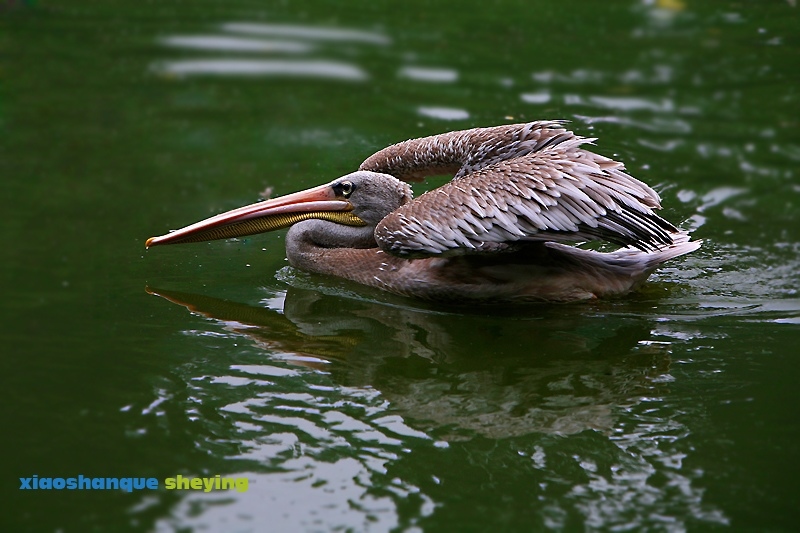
506	229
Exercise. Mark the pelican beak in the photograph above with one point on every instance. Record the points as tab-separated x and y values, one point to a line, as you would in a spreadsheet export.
319	202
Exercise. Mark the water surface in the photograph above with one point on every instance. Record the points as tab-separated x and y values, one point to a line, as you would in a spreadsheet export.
348	409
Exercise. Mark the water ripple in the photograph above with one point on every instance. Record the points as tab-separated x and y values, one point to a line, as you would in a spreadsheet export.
428	74
314	450
313	33
443	113
235	44
541	97
263	67
658	125
631	103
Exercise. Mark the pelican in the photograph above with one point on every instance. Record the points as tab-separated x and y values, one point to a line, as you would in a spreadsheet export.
494	234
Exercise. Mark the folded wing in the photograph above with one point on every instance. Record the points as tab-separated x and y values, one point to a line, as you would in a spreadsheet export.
521	182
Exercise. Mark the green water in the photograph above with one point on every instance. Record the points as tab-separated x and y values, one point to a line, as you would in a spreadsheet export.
674	408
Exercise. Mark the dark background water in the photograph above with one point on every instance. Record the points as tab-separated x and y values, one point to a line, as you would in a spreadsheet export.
674	408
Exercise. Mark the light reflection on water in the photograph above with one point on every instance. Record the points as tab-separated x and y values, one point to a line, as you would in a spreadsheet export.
429	74
306	39
311	33
317	449
318	445
264	67
443	113
235	44
549	85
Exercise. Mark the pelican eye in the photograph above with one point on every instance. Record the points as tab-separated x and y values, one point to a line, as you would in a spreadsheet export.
344	188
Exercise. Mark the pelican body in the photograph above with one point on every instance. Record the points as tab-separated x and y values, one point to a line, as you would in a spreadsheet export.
493	234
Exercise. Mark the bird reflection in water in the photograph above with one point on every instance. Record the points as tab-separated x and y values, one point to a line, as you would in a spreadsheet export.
496	376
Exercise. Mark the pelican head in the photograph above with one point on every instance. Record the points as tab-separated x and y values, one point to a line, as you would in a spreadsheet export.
362	198
371	194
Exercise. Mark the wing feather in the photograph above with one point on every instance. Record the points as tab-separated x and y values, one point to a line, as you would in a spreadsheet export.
532	183
513	200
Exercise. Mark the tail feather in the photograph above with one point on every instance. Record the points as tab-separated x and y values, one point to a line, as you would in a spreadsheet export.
629	259
681	245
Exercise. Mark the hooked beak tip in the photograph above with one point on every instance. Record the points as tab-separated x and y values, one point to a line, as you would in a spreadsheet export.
149	243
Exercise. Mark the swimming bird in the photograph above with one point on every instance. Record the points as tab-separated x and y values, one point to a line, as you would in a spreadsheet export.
494	234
